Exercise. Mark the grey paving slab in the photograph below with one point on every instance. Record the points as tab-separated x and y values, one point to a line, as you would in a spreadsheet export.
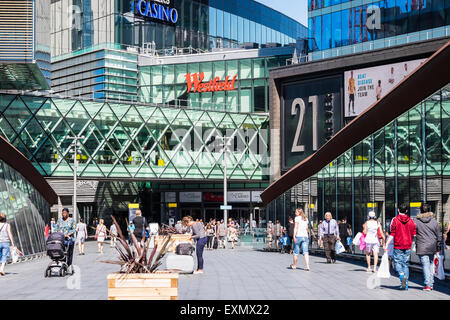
240	274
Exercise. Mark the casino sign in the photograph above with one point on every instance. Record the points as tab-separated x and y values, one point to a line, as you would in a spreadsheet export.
161	10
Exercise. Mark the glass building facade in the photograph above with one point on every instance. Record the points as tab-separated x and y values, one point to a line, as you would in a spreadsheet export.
201	24
134	141
407	161
167	83
26	210
339	27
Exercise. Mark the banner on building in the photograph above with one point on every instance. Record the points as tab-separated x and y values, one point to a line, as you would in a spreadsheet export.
363	87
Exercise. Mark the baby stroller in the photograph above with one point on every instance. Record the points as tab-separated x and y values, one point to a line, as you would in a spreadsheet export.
57	251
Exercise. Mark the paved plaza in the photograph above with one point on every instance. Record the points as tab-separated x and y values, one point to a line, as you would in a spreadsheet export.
240	274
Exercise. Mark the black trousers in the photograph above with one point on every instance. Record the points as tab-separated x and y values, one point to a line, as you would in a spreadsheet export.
329	243
70	253
210	242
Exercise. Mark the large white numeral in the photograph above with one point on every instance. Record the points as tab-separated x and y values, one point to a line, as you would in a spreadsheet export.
301	103
298	102
314	101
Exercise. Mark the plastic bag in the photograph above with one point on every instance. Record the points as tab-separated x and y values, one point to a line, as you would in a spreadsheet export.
349	241
383	271
357	238
339	247
438	263
14	255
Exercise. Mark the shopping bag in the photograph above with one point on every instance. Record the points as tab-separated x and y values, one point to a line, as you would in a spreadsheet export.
438	263
357	238
14	255
339	247
362	243
383	271
349	241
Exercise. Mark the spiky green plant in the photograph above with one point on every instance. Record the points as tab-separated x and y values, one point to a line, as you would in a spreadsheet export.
134	260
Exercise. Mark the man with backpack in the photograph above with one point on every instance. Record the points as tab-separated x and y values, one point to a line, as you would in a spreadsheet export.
428	242
403	230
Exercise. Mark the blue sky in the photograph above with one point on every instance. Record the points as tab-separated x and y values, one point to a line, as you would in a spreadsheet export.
296	9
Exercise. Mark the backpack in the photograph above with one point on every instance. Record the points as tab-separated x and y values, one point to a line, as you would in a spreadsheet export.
184	249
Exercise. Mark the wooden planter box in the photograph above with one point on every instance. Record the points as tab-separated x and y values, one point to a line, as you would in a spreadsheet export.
173	240
143	286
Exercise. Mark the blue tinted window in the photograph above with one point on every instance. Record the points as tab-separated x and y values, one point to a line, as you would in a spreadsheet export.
219	23
263	34
234	27
226	25
326	32
336	29
388	19
346	33
252	32
258	33
316	32
240	29
246	30
212	22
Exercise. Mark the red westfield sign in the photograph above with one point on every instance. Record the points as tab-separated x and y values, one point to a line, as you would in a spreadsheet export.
195	82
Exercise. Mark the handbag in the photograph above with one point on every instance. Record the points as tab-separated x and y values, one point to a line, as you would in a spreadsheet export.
438	263
14	255
380	234
357	238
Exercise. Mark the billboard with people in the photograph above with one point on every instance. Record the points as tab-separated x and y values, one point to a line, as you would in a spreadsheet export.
363	87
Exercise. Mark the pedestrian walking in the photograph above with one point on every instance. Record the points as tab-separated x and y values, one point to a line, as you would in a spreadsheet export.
66	225
232	231
139	226
222	233
100	235
198	233
447	236
329	234
428	243
130	229
210	235
301	238
343	232
81	230
277	232
291	227
403	230
52	225
113	234
6	241
349	238
373	231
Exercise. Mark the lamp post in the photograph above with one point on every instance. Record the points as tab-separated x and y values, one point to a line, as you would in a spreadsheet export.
225	189
76	152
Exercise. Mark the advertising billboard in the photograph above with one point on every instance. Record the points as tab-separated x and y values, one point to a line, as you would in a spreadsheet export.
310	116
363	87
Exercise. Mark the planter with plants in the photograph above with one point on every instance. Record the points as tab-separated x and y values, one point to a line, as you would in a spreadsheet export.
139	277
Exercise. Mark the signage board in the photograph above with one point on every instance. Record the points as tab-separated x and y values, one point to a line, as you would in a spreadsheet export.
225	207
170	197
363	87
310	116
172	205
256	196
238	196
132	207
190	197
162	10
195	83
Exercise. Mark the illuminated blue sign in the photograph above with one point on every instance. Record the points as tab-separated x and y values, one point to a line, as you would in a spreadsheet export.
156	9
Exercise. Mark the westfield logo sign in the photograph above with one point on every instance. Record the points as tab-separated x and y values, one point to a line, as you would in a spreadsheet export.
195	83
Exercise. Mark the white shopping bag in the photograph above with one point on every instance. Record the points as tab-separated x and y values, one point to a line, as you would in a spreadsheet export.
339	247
383	271
438	263
14	255
356	239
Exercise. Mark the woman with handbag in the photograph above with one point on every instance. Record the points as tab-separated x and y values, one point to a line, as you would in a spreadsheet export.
100	235
6	240
373	233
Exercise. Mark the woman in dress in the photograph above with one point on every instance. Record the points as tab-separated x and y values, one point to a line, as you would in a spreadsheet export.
233	234
100	234
81	230
210	236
